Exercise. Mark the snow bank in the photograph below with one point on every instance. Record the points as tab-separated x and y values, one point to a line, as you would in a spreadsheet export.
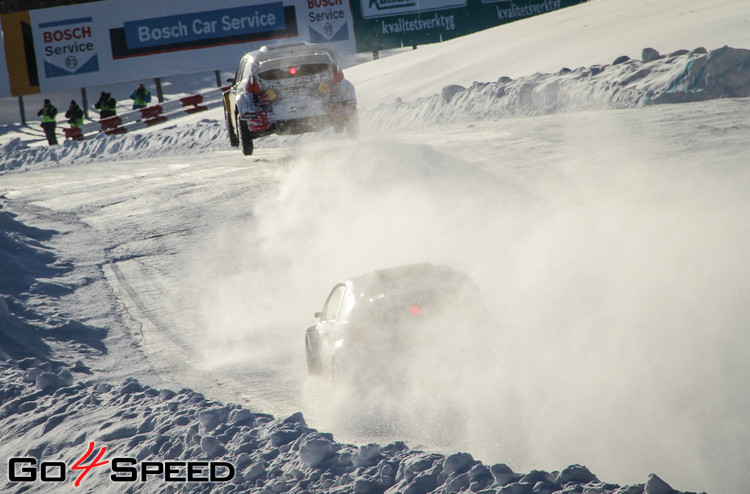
58	417
181	138
680	77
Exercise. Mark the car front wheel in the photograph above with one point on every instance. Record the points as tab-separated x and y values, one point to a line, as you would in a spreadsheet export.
234	141
246	141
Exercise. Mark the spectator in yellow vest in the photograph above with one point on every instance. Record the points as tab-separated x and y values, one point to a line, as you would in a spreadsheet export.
106	105
74	114
49	121
141	97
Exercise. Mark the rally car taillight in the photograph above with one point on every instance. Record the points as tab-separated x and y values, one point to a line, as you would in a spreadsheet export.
338	74
252	86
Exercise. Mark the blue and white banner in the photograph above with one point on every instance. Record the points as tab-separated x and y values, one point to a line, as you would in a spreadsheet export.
208	26
69	47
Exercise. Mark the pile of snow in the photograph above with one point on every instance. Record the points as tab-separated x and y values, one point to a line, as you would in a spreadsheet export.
59	418
201	135
680	77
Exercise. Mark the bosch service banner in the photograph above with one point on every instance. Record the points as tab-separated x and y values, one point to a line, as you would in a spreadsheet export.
113	41
203	29
68	47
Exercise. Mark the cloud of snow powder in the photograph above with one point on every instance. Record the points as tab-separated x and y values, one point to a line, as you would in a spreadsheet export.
615	282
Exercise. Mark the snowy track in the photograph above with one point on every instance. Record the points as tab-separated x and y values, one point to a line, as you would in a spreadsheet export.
217	263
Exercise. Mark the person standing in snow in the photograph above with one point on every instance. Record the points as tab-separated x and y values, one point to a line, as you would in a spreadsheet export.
141	97
49	121
74	114
106	105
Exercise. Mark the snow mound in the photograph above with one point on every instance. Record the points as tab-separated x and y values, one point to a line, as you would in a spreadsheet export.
680	77
267	454
183	137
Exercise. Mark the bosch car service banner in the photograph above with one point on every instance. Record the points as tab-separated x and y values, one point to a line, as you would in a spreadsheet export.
113	41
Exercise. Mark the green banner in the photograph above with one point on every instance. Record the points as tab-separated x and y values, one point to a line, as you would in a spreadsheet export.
383	24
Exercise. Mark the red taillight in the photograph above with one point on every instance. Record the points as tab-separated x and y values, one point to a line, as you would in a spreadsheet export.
252	86
358	334
338	74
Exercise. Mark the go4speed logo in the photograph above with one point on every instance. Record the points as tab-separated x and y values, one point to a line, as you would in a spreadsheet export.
121	469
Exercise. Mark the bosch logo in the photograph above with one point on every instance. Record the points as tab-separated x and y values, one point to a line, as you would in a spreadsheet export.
122	469
313	4
66	34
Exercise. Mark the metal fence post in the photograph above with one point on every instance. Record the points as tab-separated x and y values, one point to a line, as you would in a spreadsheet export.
159	93
22	109
85	102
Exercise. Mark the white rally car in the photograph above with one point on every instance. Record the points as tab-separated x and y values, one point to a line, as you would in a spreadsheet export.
288	89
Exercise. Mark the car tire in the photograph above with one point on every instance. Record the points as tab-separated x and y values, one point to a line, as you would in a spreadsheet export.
246	141
352	125
234	141
314	366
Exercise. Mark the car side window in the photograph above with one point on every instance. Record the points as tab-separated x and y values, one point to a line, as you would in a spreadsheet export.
247	70
332	304
240	69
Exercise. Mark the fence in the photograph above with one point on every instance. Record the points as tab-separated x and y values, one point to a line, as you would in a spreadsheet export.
146	117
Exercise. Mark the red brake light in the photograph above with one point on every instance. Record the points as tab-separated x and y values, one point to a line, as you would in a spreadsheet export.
338	74
252	86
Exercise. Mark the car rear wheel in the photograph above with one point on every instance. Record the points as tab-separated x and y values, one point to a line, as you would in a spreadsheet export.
246	141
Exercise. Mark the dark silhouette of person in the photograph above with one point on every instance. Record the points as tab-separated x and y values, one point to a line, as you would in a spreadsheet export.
49	121
74	114
106	105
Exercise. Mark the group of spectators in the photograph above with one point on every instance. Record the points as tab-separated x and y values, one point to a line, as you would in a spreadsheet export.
107	106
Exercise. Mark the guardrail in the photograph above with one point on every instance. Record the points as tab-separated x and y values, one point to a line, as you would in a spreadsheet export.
146	117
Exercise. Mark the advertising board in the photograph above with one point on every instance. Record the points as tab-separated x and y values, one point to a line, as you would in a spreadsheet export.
113	41
384	24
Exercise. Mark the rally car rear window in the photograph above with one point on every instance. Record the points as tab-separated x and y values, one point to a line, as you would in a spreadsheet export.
293	71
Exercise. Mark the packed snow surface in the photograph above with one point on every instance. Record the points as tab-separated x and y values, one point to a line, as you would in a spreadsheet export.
155	286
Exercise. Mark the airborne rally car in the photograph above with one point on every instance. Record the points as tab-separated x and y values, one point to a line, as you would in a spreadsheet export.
288	89
370	324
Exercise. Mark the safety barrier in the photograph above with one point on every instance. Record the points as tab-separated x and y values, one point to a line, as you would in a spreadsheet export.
146	117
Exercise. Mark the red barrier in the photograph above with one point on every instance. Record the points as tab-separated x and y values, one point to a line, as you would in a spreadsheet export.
192	100
151	111
149	116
